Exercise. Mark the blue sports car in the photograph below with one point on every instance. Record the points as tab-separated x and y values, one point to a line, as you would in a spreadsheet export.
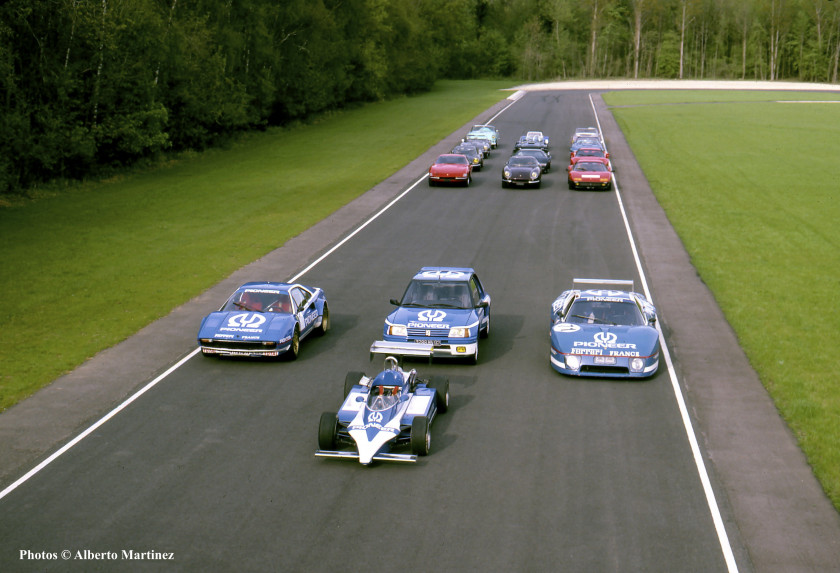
604	331
264	319
391	410
443	313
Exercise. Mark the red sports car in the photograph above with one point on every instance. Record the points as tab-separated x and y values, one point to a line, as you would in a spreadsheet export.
450	168
590	152
590	173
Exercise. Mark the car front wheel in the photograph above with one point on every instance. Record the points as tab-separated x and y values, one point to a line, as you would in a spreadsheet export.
327	431
421	436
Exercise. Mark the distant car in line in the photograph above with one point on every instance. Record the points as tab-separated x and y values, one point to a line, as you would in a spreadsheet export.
590	173
522	171
451	168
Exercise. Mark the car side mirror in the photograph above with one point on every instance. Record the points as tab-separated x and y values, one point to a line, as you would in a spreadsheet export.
395	302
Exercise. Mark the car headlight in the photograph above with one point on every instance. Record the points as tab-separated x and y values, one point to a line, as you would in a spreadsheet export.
637	364
459	332
397	330
573	362
507	173
535	174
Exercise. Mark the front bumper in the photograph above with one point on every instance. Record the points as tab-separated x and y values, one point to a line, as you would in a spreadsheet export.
618	368
223	348
591	184
521	182
425	350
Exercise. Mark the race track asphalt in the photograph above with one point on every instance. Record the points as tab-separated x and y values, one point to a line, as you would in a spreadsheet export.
529	471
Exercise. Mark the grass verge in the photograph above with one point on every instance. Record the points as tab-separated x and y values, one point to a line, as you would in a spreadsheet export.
87	266
749	185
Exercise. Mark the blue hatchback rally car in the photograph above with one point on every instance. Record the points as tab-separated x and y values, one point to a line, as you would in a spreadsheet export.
598	329
264	319
443	313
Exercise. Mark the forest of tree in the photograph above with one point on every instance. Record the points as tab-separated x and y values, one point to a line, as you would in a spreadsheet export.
93	84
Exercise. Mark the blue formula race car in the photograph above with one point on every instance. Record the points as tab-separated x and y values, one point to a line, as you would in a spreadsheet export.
264	319
393	410
443	313
597	329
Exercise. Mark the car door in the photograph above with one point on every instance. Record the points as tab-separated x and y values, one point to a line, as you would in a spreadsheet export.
305	310
479	296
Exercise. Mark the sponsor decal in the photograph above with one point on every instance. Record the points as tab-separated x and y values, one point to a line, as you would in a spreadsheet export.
606	338
247	322
263	290
604	341
604	292
443	274
562	327
431	315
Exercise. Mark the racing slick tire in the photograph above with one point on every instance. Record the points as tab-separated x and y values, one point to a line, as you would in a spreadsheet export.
441	386
421	436
474	358
468	181
327	431
350	380
325	322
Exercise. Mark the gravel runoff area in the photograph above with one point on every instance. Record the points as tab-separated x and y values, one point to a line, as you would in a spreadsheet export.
778	507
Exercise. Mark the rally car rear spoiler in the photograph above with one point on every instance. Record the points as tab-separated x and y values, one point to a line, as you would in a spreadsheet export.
587	284
381	457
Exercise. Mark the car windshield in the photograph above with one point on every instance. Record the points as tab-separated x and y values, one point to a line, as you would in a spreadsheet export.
523	161
437	294
259	300
535	153
605	312
590	153
587	141
452	159
589	166
383	397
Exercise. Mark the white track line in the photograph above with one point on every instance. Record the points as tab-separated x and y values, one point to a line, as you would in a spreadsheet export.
181	362
711	500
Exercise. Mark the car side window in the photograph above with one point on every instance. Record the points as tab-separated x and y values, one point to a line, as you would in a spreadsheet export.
475	291
297	297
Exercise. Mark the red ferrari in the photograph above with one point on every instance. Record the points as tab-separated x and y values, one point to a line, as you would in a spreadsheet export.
451	168
590	173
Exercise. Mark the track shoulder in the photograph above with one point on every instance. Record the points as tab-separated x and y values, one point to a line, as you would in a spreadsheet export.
778	508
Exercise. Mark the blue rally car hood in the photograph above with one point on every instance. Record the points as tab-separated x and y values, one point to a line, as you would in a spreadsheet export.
243	325
605	340
433	318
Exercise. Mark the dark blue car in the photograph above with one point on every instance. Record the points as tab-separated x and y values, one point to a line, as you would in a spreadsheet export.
604	331
443	313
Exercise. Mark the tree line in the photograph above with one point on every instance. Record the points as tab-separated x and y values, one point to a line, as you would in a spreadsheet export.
88	85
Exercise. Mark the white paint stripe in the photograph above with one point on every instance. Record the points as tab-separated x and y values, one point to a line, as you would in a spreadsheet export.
95	426
181	362
711	500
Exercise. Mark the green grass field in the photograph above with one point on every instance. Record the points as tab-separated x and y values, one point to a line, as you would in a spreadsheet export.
87	266
749	184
